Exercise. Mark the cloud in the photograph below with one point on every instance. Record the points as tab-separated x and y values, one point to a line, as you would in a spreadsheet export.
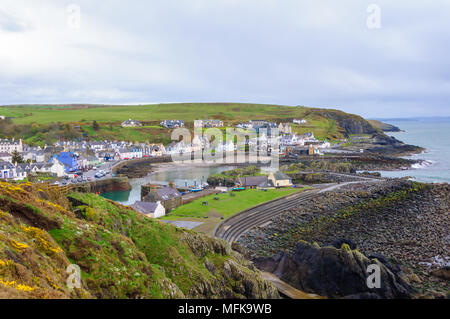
286	52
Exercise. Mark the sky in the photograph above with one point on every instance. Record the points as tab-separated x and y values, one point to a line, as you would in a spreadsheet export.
374	58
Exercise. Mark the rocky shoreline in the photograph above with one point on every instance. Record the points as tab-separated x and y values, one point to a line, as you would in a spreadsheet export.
404	221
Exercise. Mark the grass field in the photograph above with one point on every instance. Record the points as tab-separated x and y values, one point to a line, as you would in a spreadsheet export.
320	121
157	112
212	214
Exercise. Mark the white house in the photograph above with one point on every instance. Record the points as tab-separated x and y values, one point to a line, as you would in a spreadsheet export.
131	123
150	209
9	146
125	153
299	121
57	168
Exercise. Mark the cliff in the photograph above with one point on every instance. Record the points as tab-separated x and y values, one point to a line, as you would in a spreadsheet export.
350	123
121	253
384	126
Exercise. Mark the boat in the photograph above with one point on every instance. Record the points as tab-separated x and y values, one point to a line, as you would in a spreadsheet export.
195	190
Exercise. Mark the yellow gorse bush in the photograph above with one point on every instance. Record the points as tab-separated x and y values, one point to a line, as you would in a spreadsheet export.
41	240
6	263
19	246
17	286
46	202
10	187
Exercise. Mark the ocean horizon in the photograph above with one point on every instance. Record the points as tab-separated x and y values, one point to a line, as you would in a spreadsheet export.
431	133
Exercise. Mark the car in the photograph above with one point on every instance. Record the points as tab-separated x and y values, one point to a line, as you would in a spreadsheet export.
56	183
64	183
98	175
80	179
89	179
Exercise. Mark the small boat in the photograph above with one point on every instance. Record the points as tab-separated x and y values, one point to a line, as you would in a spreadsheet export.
238	189
195	190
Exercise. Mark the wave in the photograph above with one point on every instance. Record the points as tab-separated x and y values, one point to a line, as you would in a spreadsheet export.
422	164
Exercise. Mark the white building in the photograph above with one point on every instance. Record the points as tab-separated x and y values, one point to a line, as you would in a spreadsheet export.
299	121
9	146
131	123
150	209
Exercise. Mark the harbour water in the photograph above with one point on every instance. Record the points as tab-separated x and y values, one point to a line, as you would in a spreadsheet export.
184	177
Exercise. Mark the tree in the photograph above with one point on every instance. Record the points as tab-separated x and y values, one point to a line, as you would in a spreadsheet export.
95	126
16	157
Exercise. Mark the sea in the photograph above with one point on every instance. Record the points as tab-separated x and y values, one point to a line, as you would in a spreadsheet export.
433	134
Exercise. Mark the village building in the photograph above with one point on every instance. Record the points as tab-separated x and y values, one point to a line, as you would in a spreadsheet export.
131	123
280	179
299	121
10	146
150	209
169	196
5	157
209	123
68	159
285	128
172	123
7	170
251	182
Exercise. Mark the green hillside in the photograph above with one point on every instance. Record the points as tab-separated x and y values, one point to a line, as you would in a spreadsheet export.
121	253
40	124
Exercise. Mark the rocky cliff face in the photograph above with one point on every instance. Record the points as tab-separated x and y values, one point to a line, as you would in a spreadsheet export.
121	253
352	124
384	126
333	272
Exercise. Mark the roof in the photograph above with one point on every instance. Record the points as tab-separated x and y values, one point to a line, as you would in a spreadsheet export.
167	193
252	180
6	165
145	207
281	176
266	184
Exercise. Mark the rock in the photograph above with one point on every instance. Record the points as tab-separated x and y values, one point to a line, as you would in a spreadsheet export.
339	242
210	266
334	273
442	273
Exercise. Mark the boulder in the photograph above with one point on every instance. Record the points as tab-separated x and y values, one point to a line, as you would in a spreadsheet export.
334	273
